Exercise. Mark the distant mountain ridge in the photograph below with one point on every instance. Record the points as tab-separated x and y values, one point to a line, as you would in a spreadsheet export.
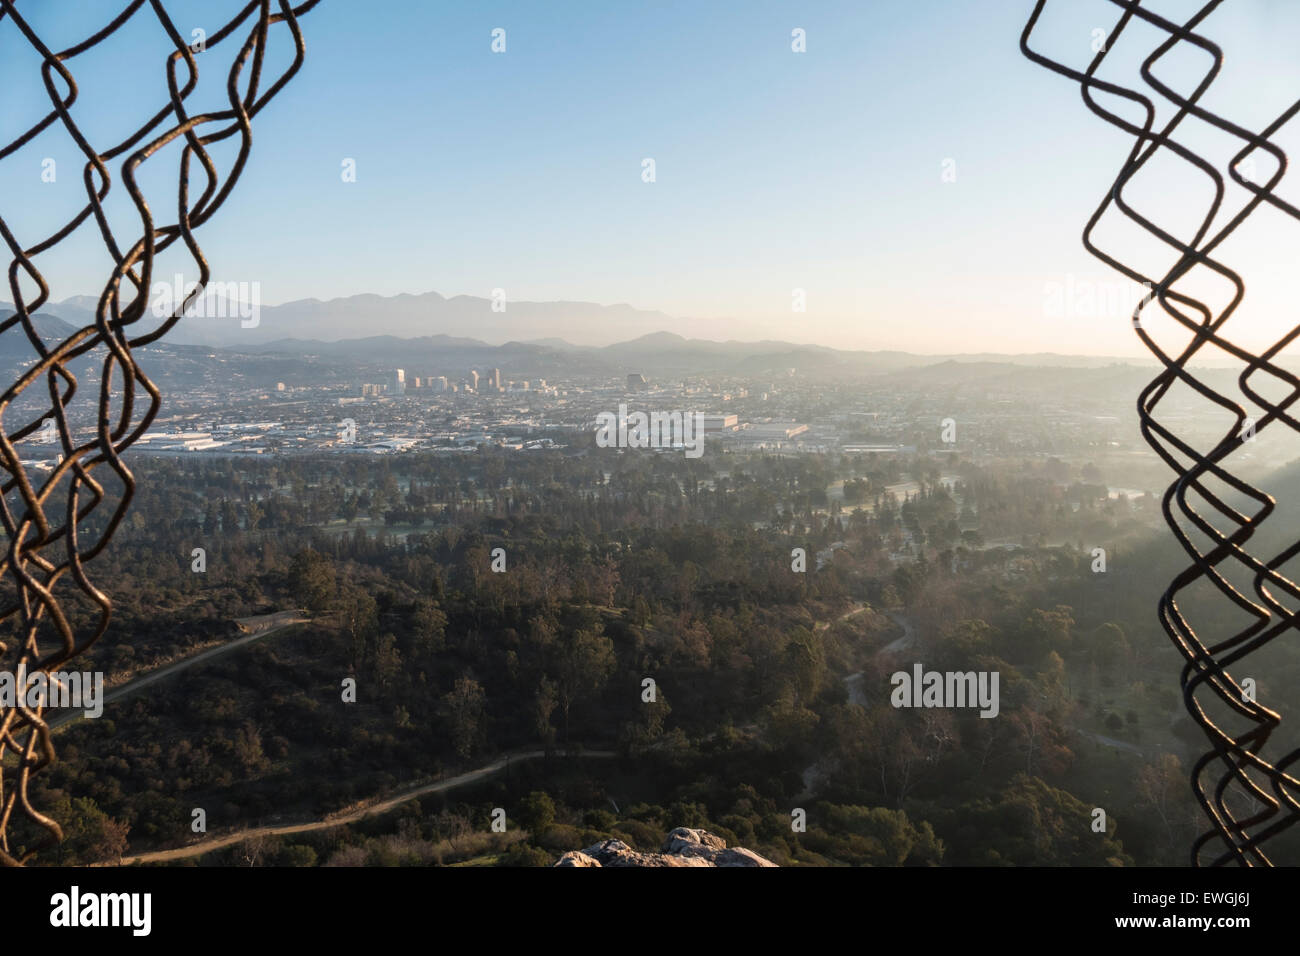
628	333
416	316
658	353
50	328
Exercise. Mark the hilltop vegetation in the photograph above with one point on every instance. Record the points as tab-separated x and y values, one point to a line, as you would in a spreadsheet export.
620	570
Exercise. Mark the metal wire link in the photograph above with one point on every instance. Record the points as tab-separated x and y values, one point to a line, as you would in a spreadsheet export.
45	521
1247	797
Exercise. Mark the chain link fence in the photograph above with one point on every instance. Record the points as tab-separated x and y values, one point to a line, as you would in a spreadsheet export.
57	518
1245	787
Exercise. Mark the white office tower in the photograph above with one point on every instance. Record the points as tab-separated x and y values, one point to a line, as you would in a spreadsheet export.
398	385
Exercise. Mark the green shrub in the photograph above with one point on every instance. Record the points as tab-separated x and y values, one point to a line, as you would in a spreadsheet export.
561	838
638	834
524	854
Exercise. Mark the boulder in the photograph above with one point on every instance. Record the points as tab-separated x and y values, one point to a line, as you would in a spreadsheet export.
682	847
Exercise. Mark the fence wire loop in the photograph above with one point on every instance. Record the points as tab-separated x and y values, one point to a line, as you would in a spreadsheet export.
53	522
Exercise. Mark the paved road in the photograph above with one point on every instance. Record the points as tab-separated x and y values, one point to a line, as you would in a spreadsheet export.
908	638
853	683
338	820
256	628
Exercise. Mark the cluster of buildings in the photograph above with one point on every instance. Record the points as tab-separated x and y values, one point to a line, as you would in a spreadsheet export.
475	383
895	414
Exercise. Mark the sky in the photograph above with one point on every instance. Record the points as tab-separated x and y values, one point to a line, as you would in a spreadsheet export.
920	181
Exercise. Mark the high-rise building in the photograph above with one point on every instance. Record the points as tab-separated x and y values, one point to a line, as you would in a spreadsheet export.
473	379
398	385
496	379
635	381
441	381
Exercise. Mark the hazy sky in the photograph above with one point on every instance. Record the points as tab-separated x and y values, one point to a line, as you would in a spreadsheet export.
775	170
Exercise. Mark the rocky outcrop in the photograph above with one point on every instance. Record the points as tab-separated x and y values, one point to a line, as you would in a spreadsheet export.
682	847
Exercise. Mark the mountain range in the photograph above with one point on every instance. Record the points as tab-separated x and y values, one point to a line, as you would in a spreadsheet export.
402	316
425	333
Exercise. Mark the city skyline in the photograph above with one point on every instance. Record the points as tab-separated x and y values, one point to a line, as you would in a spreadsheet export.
778	208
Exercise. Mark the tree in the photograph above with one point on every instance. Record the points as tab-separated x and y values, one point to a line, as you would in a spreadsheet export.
254	849
584	663
1109	646
965	644
387	661
311	578
89	834
1041	741
1162	786
877	836
229	517
1038	633
296	854
602	582
543	708
1054	683
1030	823
430	628
639	613
806	660
536	812
360	618
465	705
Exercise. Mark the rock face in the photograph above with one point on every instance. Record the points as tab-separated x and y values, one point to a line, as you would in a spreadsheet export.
682	847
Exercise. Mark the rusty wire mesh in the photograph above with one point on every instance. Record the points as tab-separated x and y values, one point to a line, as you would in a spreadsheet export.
1248	797
50	522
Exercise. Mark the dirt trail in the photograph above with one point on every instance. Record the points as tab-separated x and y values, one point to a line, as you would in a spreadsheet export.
1109	741
341	819
256	628
822	625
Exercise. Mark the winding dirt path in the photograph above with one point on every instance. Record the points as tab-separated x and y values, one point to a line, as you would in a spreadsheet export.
256	628
351	816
